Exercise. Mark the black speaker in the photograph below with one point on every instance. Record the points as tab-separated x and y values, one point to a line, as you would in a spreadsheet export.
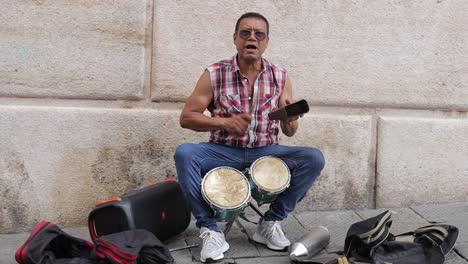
160	208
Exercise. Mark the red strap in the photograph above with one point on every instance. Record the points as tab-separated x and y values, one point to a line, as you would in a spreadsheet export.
20	254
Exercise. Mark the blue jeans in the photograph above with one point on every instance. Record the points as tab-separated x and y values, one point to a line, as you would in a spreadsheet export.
193	161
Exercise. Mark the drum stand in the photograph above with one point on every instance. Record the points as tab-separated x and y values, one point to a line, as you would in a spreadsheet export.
242	215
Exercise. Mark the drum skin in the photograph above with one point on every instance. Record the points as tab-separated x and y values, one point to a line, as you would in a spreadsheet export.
269	176
227	191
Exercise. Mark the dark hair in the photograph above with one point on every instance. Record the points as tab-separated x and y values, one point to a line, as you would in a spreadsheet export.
254	15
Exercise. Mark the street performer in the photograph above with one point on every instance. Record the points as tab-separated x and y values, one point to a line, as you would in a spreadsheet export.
239	93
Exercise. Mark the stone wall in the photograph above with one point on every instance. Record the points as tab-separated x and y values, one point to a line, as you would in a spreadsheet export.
91	91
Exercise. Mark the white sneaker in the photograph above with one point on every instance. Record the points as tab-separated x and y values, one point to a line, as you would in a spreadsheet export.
270	234
214	245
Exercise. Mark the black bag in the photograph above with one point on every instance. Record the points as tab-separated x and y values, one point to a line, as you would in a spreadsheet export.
364	237
160	208
370	241
48	243
132	246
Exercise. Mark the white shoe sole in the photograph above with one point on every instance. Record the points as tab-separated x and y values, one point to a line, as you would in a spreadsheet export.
260	239
225	248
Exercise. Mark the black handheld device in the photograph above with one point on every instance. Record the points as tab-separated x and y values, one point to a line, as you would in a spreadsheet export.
298	108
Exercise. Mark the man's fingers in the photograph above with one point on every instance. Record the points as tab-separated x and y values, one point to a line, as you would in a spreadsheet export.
343	260
246	116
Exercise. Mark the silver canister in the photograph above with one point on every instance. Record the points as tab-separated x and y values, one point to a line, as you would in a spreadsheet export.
311	243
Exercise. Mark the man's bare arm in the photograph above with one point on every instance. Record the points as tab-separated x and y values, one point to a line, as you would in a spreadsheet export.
289	126
192	116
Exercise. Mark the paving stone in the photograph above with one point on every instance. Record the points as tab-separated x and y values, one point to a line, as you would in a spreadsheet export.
404	219
442	212
328	218
462	249
455	214
192	230
337	223
9	243
240	246
270	260
180	256
454	258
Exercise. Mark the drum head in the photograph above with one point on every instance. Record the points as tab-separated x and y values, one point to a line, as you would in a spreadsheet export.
226	188
270	174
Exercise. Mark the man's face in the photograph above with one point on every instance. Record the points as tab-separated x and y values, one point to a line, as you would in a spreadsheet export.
251	39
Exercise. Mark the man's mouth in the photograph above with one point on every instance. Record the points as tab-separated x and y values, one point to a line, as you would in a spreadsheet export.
251	47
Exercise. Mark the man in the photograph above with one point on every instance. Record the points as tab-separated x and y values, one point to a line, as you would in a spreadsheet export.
239	93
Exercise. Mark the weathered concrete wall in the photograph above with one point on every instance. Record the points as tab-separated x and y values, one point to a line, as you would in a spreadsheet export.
74	49
90	93
422	158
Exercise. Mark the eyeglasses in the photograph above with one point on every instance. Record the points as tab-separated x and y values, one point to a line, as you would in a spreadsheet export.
246	34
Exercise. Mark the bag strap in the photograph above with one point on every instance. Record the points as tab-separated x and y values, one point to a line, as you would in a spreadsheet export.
378	230
21	252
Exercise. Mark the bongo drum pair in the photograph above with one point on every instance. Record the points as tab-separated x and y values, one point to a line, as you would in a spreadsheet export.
228	191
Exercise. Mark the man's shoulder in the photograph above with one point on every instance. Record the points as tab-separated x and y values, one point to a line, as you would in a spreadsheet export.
275	67
222	64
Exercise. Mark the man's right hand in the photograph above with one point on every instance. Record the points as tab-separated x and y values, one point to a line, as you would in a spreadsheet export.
237	124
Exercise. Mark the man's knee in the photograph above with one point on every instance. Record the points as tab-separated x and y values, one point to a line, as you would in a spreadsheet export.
315	158
184	151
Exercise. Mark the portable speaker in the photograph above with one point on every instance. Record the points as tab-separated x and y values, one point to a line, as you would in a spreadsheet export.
160	208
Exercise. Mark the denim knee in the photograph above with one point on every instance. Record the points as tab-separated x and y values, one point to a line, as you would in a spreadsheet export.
315	158
184	151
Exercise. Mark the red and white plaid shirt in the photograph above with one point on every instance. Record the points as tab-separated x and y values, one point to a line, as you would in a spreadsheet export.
232	95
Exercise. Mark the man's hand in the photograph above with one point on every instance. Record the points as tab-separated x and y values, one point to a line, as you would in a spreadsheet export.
289	125
237	124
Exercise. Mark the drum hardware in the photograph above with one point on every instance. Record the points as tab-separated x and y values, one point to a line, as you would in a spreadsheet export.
183	247
242	215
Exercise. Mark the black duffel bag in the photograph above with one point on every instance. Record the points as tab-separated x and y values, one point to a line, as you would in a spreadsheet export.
370	241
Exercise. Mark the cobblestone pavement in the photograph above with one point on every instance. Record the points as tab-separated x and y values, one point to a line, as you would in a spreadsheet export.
245	251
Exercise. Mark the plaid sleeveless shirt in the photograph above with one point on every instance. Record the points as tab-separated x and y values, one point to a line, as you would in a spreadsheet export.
232	95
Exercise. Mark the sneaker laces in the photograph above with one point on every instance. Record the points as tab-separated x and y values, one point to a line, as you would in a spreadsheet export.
275	230
210	238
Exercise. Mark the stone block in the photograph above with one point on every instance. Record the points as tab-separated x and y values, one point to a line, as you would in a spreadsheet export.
74	49
347	53
56	162
421	159
348	146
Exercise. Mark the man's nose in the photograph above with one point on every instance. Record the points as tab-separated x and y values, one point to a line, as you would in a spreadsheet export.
252	36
